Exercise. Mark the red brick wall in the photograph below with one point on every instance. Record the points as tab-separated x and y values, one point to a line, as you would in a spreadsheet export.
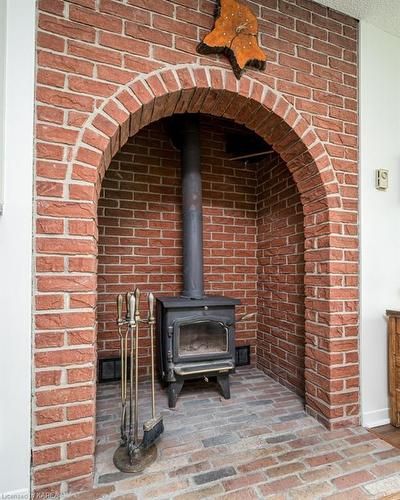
140	239
280	253
106	69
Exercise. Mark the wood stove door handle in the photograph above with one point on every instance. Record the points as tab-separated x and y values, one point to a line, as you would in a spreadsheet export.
246	317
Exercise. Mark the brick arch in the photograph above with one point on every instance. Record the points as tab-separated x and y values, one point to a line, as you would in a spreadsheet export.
216	91
331	336
213	91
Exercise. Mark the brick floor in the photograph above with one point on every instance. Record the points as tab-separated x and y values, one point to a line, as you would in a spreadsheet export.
259	444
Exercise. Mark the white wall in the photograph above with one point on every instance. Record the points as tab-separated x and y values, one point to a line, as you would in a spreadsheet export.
380	212
16	248
3	31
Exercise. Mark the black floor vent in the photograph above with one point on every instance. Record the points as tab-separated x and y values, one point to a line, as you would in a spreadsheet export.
242	355
109	370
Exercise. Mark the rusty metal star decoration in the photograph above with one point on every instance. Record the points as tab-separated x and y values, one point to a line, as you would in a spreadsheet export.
235	35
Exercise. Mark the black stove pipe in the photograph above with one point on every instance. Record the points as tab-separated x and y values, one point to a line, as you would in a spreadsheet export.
192	208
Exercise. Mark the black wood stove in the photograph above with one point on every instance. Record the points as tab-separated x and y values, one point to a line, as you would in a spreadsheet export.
196	333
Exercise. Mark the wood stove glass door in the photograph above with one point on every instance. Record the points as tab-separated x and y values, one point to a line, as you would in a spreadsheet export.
203	338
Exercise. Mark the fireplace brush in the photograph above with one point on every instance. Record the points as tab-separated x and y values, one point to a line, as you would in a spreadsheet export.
154	427
134	455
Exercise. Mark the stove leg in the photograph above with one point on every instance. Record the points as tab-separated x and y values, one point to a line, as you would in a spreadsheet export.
223	384
174	389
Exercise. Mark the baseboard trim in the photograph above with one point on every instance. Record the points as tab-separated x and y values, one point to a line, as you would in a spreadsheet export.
375	418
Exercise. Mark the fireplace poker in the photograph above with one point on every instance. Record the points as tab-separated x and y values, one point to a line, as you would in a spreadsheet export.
130	317
153	427
137	320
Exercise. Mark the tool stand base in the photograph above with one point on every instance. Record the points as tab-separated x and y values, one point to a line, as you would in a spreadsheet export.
141	459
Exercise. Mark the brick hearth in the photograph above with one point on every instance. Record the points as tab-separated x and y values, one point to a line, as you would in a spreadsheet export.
259	444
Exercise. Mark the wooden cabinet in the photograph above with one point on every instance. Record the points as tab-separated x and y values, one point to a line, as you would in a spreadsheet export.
394	366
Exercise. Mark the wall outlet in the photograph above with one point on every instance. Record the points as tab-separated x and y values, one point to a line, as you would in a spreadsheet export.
382	179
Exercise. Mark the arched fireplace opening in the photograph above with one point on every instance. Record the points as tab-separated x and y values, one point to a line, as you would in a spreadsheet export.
253	239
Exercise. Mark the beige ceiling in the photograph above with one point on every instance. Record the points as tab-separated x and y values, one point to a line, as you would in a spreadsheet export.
384	14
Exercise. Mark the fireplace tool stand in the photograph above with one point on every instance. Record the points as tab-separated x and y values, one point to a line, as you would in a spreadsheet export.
134	455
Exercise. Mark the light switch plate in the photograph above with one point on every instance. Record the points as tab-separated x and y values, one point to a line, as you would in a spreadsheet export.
382	179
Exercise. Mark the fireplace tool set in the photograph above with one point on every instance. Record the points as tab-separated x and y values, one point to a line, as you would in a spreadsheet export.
134	455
